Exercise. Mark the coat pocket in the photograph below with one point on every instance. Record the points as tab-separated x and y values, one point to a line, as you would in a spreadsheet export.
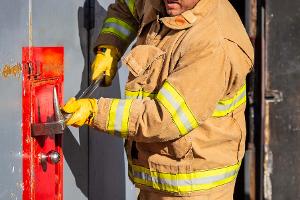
182	147
176	149
142	57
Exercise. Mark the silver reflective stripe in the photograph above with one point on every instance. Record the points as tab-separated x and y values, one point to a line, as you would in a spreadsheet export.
118	27
221	107
212	179
119	115
179	183
142	176
178	109
131	96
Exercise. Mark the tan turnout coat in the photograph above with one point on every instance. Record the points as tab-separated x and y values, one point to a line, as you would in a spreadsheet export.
183	119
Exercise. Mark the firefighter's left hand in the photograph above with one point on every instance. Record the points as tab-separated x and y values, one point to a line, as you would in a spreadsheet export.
83	111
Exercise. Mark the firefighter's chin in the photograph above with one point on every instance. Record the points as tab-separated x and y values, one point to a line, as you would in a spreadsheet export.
173	9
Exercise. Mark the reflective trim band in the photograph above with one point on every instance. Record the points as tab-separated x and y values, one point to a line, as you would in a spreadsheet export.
119	117
119	28
139	94
177	107
131	6
225	107
183	183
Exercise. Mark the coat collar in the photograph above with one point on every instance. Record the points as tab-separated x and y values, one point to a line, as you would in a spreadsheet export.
185	20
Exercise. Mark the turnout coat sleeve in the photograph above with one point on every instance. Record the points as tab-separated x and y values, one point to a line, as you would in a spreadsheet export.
186	99
120	25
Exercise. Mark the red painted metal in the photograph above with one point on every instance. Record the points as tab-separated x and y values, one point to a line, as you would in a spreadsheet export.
43	69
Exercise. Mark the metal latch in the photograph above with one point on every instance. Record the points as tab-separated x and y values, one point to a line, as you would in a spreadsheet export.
274	96
58	126
50	128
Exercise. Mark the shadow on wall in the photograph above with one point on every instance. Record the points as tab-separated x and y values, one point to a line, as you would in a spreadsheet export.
106	155
76	154
97	162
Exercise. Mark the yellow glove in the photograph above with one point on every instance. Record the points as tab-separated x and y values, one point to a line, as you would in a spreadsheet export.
83	111
106	61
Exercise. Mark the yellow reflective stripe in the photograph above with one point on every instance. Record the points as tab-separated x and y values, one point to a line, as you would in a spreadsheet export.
125	119
229	101
138	94
131	94
225	107
182	189
131	6
177	107
173	113
118	27
119	117
183	183
112	116
183	105
182	176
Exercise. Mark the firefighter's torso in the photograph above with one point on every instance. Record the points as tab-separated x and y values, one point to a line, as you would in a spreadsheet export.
207	158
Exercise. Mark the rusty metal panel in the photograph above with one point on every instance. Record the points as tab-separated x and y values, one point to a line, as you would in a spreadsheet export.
282	110
14	35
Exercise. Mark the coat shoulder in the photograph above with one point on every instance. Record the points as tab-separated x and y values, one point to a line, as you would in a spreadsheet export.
220	22
232	27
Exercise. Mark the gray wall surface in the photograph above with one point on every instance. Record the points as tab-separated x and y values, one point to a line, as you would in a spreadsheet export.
13	35
61	23
95	165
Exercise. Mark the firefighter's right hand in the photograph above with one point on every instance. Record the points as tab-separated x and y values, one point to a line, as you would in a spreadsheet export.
82	111
105	62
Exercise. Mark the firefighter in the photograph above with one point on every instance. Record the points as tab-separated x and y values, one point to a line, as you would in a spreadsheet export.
183	116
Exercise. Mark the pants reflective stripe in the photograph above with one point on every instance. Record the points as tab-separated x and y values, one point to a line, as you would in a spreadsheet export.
175	104
119	28
225	107
183	183
118	117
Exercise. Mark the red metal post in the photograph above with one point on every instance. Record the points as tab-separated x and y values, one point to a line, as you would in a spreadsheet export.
43	69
